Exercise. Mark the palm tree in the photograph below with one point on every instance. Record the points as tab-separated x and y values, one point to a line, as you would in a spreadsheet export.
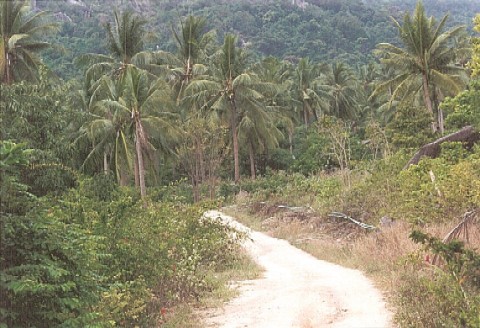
257	130
20	31
126	39
279	117
426	63
192	43
132	115
151	121
106	130
229	91
193	46
307	95
342	86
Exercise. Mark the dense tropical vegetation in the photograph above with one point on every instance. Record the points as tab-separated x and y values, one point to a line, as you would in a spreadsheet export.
110	152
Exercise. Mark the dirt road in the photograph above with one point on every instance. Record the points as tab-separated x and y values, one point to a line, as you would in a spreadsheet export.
298	290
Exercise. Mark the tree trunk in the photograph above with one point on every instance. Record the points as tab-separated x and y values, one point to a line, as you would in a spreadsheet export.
196	194
441	124
290	141
428	100
105	163
466	134
8	72
252	161
135	172
201	160
305	115
233	123
124	177
141	166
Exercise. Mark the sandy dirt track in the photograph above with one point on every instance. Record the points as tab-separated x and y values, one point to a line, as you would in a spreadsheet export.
298	290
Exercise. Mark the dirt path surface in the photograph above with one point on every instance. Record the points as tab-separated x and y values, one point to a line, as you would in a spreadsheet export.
298	290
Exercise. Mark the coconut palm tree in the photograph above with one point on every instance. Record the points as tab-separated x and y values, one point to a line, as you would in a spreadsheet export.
106	131
342	85
280	116
126	38
307	97
132	118
20	32
257	130
229	91
192	51
426	63
152	122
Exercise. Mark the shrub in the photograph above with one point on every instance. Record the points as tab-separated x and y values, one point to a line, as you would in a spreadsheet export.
445	297
49	272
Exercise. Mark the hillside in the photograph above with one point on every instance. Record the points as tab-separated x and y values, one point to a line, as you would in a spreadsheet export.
291	29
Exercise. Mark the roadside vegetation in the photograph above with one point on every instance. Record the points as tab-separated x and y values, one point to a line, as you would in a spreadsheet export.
104	177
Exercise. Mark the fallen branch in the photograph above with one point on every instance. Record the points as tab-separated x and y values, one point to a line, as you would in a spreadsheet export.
359	223
466	134
296	208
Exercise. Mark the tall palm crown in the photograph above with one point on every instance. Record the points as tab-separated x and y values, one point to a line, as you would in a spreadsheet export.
125	40
125	36
192	42
192	45
20	30
426	63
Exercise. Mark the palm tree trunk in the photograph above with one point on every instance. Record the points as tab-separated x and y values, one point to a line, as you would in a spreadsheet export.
428	100
141	166
290	141
201	160
105	163
124	178
233	123
8	73
252	160
305	115
135	172
441	123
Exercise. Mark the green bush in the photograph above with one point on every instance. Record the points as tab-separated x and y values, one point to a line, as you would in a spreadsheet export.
49	272
442	297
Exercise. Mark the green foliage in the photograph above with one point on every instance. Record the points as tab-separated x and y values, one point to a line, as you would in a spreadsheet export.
461	263
49	272
463	109
451	293
454	191
475	60
123	304
96	256
38	115
13	194
20	33
311	152
157	255
410	127
48	267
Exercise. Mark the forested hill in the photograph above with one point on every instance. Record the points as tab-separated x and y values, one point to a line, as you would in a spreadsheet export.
291	29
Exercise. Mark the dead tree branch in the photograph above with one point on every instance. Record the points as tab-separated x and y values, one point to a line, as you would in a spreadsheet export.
466	134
